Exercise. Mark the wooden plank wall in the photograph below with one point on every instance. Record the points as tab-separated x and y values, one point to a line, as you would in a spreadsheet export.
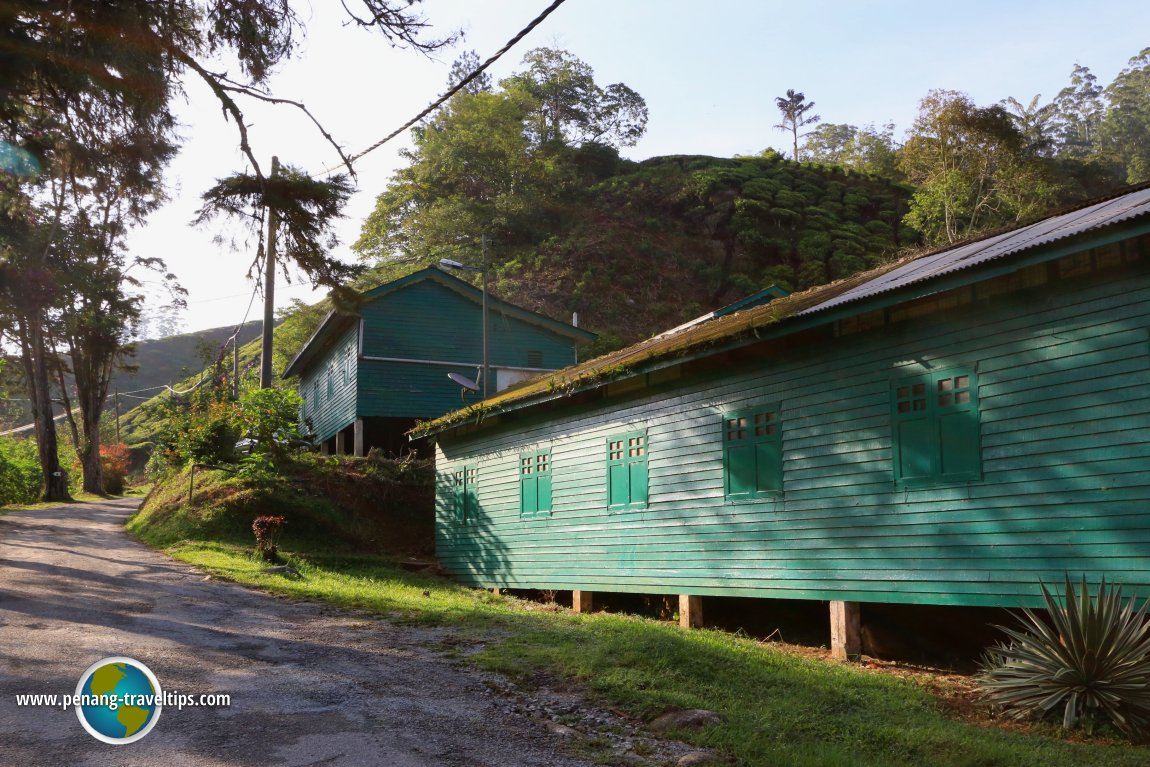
430	321
1064	390
329	415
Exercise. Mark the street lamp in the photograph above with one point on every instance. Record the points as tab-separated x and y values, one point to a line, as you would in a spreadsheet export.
447	263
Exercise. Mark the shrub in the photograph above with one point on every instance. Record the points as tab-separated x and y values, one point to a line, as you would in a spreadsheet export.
270	417
20	475
115	460
268	530
1091	660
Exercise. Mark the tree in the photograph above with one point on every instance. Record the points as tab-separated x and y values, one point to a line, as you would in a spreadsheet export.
502	163
829	143
1126	126
570	109
972	169
472	171
463	66
794	111
873	151
306	209
1079	109
865	150
1035	123
85	79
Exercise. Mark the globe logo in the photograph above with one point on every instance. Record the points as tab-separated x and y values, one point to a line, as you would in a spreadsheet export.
119	700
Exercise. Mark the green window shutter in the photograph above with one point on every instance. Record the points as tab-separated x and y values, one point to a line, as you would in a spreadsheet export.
543	493
543	484
960	451
466	501
768	467
914	434
935	430
752	452
534	484
459	503
627	470
740	470
471	499
617	492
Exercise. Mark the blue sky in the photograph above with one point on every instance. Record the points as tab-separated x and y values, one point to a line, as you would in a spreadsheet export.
708	71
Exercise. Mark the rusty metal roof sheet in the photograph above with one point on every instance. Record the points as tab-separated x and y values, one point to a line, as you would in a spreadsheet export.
1105	213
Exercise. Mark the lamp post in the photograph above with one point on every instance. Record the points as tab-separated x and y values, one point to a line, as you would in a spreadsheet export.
447	263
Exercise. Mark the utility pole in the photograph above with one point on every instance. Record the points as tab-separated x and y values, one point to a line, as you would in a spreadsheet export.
269	287
236	365
486	359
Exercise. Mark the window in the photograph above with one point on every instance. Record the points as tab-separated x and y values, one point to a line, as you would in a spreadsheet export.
315	394
534	359
627	470
535	484
346	366
465	504
752	453
331	380
935	428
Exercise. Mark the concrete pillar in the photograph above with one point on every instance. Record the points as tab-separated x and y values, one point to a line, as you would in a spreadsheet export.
340	443
846	630
581	601
358	439
690	611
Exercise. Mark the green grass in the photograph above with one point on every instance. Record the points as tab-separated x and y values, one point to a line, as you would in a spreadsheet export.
780	709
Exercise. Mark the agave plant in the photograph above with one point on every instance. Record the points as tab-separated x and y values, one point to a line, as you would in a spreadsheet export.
1090	659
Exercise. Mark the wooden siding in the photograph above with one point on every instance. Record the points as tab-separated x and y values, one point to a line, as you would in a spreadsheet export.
1063	376
409	390
326	414
430	321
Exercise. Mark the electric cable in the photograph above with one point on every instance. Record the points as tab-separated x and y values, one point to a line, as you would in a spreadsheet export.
456	88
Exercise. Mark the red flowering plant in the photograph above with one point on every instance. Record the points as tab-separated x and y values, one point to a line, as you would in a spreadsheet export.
268	530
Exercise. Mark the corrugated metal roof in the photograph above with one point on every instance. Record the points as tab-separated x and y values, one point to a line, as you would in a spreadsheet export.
721	331
1043	232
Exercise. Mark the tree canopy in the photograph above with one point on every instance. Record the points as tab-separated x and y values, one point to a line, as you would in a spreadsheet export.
86	128
794	107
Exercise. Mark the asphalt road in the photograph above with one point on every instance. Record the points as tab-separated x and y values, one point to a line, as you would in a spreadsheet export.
309	685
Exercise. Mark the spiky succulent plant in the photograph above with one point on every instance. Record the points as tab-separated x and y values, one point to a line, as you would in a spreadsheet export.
1090	658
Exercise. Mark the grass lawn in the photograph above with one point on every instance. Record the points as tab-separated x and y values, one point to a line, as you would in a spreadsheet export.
780	708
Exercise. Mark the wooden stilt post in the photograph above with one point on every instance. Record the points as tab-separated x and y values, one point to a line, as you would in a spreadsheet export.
581	601
357	440
340	443
690	611
323	448
846	630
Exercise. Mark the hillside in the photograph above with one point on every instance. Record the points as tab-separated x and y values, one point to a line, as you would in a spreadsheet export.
636	248
156	363
675	237
164	361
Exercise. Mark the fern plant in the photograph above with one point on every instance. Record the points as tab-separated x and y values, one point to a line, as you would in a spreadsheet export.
1091	659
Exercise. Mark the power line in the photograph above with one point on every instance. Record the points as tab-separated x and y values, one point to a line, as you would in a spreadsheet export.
458	86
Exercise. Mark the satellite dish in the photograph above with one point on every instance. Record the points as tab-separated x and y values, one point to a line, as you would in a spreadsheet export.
464	381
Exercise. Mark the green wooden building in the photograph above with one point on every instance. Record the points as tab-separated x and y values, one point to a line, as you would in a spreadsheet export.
949	429
367	379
